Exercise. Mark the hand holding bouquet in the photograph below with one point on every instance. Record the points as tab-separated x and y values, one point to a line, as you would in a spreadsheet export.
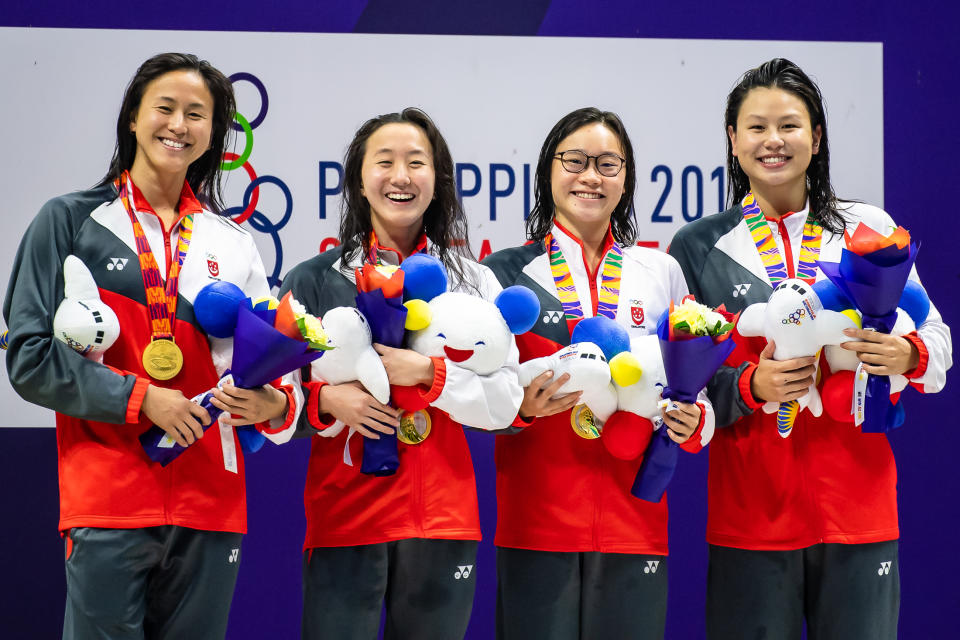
267	344
694	343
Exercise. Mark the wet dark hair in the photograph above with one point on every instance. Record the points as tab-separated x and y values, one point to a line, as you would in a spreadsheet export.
444	221
622	220
203	175
780	73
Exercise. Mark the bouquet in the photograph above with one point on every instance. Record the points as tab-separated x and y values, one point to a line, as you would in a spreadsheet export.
694	343
267	344
380	300
873	272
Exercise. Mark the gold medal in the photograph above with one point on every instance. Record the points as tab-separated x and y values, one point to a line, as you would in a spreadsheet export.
162	359
584	423
414	427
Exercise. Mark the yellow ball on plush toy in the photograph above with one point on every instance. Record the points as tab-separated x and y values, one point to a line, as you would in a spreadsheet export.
625	369
418	315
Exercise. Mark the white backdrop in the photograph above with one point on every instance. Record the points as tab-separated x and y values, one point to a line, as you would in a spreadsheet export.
494	98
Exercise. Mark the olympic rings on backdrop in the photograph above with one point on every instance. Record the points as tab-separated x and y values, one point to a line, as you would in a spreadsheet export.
238	161
264	103
261	222
249	207
248	212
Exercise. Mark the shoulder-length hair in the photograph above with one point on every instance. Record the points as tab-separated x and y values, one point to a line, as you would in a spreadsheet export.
782	74
444	222
622	221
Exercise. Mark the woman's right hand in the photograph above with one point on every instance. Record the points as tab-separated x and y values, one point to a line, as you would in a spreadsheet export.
783	380
173	412
353	406
538	397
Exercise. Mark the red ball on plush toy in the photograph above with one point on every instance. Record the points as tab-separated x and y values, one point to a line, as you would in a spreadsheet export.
626	435
837	396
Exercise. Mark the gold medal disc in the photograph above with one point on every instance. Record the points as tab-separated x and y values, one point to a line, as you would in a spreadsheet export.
162	359
414	427
584	423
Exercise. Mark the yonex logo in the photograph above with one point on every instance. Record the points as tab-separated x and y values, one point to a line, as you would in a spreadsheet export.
652	566
740	290
234	555
552	317
463	571
117	263
884	568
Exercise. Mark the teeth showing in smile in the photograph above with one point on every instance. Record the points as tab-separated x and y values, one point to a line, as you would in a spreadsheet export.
172	143
774	160
587	195
400	197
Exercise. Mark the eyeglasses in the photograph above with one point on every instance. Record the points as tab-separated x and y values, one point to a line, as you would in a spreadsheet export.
576	161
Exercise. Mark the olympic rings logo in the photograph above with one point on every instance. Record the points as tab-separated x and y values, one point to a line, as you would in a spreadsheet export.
251	196
795	317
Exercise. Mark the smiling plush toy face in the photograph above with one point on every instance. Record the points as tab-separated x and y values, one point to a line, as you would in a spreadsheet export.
466	330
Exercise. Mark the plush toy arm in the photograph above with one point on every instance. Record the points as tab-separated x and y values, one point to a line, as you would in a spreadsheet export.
532	368
750	322
602	401
488	402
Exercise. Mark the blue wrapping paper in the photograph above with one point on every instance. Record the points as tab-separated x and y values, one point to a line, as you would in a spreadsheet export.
386	317
874	282
261	354
688	365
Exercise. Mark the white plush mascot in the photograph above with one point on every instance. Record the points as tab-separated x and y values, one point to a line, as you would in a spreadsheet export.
796	320
82	320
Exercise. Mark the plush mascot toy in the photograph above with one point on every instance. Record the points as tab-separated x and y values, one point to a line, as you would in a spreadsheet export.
467	330
597	360
797	320
628	431
838	389
82	320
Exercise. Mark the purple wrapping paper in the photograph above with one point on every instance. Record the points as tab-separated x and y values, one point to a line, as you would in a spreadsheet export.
261	354
688	365
875	282
386	317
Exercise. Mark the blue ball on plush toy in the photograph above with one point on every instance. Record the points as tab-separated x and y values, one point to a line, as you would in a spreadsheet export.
424	277
915	302
603	332
520	307
831	296
216	308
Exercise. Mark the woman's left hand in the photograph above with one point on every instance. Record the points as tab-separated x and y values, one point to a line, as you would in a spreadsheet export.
882	354
681	420
405	367
251	405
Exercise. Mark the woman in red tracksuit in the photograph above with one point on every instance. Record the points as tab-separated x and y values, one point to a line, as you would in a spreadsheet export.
801	529
408	540
577	555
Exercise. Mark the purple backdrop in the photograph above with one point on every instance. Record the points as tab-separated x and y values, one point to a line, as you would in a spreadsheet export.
921	169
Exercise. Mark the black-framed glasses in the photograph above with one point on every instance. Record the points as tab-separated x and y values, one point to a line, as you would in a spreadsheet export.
576	161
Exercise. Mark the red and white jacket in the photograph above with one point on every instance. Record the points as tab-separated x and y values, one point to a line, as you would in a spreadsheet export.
106	479
555	490
827	482
433	493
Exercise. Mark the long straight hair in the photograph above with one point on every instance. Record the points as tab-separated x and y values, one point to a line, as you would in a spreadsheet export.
203	175
780	73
